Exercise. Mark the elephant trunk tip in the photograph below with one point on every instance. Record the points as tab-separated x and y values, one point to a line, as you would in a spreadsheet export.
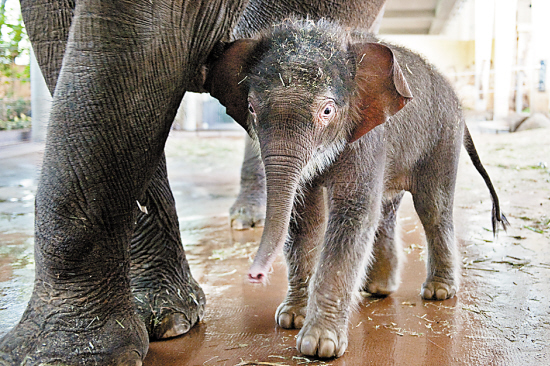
257	274
258	277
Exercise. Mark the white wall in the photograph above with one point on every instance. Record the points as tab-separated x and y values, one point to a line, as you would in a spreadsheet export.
491	50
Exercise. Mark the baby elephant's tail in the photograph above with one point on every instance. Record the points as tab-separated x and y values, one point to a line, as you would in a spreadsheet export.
497	215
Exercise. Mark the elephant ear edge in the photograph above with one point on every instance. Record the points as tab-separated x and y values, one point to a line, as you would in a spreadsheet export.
382	90
226	77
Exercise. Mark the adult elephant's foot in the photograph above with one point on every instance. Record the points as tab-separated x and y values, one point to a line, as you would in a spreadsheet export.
165	295
70	332
168	308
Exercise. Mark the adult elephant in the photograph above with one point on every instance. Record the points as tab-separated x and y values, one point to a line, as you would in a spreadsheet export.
111	274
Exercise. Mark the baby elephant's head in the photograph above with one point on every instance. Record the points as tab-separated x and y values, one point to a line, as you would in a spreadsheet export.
303	91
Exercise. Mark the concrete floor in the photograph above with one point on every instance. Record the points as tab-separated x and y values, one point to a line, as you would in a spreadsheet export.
501	316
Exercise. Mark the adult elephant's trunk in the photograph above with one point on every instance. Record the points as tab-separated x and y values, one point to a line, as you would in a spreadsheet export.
282	178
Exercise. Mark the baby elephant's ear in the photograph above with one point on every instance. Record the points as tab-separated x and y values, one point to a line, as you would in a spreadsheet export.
226	78
381	87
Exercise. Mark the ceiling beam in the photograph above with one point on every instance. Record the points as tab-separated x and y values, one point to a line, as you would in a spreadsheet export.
428	14
443	11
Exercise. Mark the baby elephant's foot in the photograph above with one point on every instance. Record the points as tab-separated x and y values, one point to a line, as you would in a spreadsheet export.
321	341
380	287
291	316
244	215
384	274
432	290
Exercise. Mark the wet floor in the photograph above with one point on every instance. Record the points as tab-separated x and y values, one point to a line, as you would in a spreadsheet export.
501	316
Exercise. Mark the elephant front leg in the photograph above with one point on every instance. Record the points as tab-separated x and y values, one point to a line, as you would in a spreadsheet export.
165	295
339	274
249	209
83	326
307	230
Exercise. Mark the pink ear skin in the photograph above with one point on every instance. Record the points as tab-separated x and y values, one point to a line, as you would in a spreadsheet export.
382	90
226	76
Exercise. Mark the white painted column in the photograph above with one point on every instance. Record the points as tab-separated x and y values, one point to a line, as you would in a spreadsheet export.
505	46
193	111
523	62
41	102
484	26
540	12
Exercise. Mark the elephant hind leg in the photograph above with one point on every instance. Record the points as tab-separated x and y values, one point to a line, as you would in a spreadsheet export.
383	274
434	205
165	295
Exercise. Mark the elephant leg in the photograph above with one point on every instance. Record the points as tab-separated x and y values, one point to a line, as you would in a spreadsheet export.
435	212
306	232
48	45
383	274
334	289
249	208
80	310
166	297
164	255
433	197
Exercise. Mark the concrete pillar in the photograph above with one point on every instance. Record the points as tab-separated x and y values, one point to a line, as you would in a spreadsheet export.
193	111
540	93
505	47
484	26
524	74
41	102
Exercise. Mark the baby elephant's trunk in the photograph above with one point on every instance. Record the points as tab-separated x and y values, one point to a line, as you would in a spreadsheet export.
282	178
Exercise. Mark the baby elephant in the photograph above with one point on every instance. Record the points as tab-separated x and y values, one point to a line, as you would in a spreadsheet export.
335	109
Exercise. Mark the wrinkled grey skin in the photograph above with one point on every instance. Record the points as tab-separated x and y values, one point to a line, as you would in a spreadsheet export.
367	121
248	210
108	276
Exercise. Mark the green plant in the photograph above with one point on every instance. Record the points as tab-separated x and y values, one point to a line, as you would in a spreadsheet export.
16	123
14	109
13	40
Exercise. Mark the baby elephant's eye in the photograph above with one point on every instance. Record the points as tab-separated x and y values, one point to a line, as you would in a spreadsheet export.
251	108
327	112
